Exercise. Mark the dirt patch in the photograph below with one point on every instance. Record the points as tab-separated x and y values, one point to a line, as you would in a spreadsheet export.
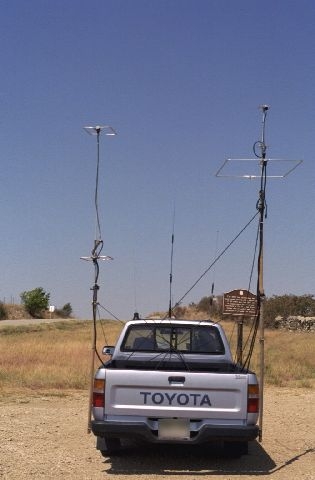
45	438
15	312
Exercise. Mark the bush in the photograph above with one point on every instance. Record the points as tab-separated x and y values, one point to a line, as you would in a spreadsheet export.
287	306
3	311
35	301
213	306
65	311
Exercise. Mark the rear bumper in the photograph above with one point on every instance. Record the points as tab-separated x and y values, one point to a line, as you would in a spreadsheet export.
207	433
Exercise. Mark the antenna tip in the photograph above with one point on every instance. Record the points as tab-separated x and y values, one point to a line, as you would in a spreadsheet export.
264	108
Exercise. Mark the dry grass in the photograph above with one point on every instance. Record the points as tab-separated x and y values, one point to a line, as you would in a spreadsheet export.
49	357
55	358
289	356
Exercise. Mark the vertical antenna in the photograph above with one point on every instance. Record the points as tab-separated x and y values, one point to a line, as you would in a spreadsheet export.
136	314
213	281
171	269
96	255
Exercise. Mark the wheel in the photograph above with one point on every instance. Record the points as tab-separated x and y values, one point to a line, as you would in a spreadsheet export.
112	446
236	449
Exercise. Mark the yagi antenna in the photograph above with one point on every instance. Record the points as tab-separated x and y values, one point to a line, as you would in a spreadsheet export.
250	168
96	251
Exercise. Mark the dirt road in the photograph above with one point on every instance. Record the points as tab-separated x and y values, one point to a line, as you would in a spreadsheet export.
45	438
30	321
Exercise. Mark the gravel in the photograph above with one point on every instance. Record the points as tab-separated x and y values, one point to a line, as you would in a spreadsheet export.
46	438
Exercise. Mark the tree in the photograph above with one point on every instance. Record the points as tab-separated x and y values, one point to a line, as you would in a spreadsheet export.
65	311
35	301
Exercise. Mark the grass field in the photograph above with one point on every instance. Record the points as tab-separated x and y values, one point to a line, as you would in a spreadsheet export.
55	358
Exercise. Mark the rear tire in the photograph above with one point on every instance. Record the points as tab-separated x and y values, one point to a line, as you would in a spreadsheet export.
112	446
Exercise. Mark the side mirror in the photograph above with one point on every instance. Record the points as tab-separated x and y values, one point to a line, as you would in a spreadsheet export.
108	350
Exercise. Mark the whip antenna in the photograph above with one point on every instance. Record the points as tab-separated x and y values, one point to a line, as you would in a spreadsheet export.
171	269
213	282
96	252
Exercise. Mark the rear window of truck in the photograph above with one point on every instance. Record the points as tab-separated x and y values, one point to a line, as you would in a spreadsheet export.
184	339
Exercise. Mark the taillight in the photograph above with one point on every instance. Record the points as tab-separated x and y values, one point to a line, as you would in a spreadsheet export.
99	393
253	399
98	400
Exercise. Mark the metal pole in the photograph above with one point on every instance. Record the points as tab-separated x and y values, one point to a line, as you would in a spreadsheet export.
240	342
261	208
95	287
261	328
89	428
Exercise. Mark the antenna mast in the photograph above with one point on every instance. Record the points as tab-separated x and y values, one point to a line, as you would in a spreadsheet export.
261	206
261	174
96	255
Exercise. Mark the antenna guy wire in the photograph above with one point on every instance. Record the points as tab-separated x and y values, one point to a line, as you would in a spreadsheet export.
215	261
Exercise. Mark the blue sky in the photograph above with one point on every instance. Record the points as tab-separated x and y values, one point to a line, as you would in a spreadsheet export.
181	82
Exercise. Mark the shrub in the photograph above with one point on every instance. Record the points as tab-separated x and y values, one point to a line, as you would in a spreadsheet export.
35	301
286	306
65	311
3	311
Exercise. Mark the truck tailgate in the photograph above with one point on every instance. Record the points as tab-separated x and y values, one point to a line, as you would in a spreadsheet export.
173	394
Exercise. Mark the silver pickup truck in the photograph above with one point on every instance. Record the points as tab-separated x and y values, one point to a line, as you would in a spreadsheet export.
174	381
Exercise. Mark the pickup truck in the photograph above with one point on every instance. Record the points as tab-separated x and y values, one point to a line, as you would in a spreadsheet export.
174	381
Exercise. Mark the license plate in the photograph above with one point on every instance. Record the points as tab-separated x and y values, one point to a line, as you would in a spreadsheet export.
174	429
